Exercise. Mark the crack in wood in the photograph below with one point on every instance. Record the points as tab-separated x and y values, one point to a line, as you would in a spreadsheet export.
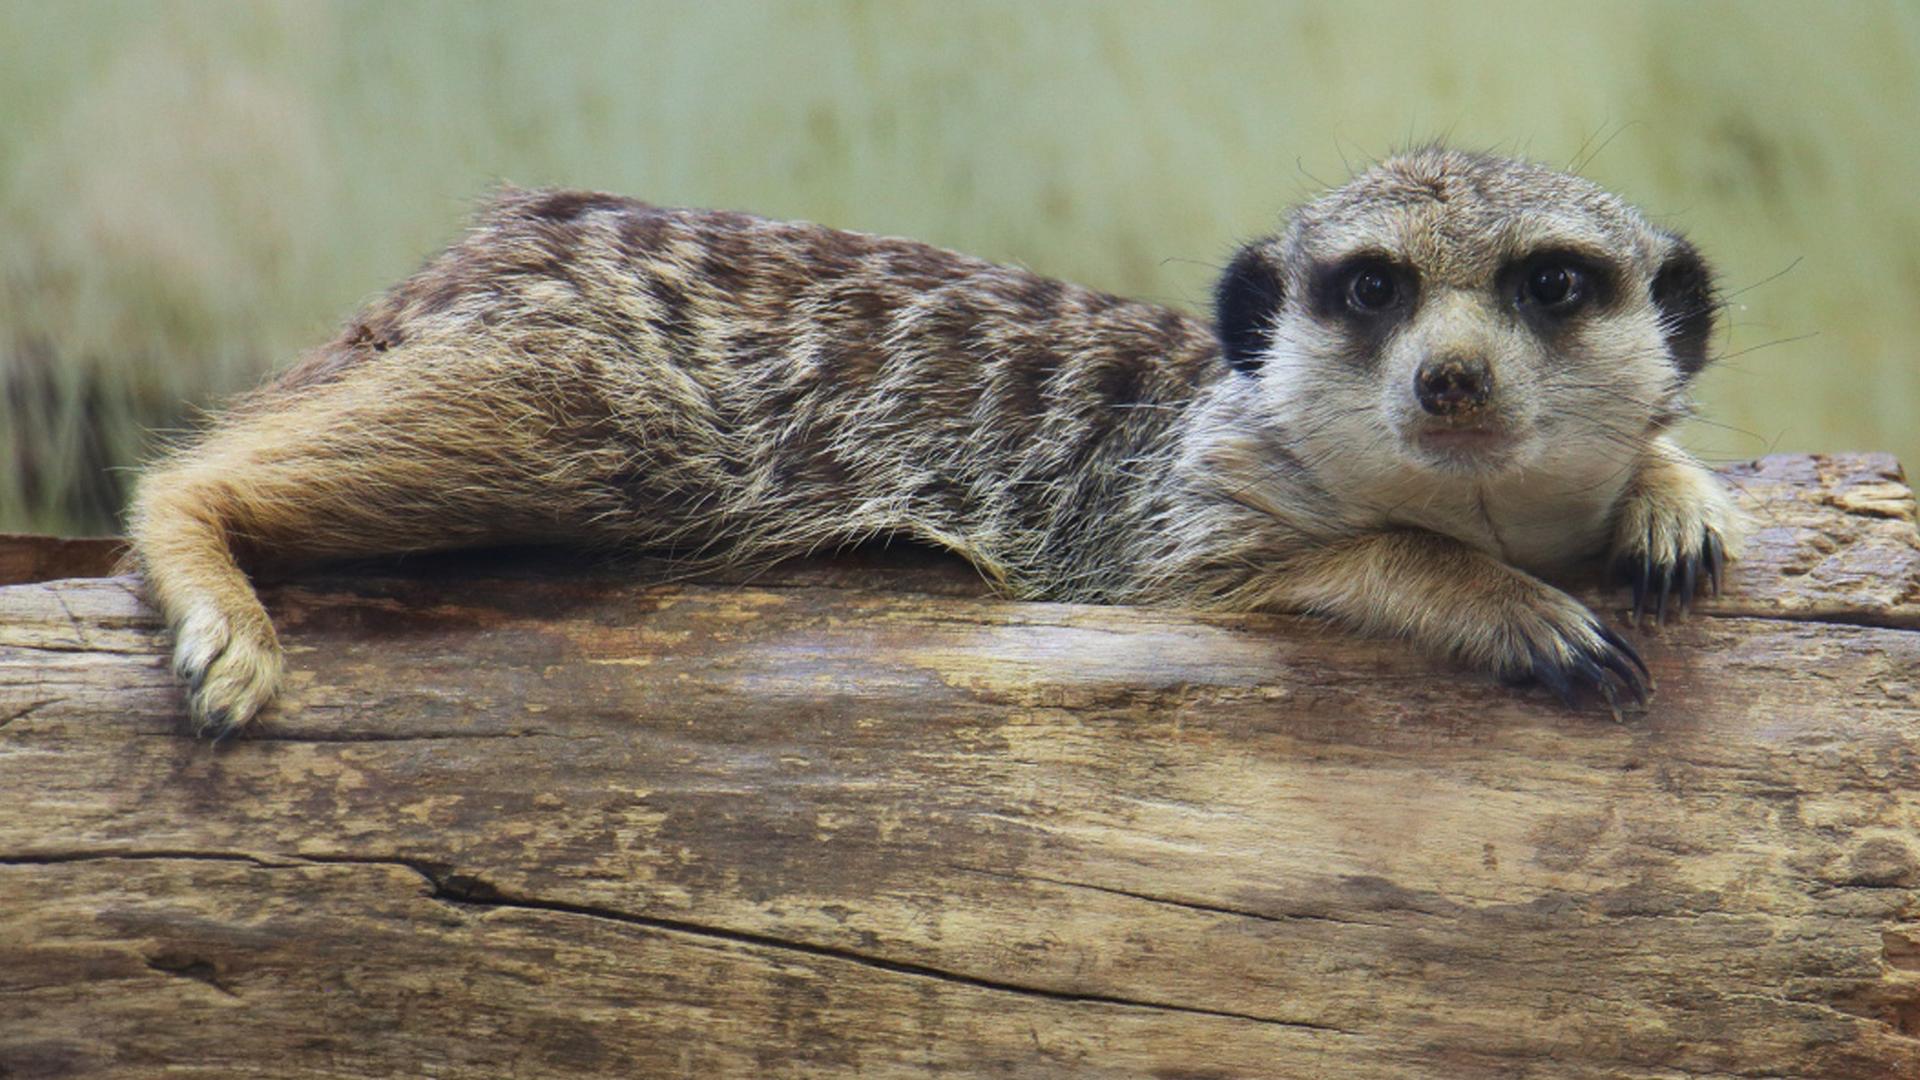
26	711
87	649
1190	905
54	858
73	621
484	895
1862	620
190	967
469	890
267	735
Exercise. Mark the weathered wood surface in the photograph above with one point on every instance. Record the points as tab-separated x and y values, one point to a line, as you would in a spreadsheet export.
857	818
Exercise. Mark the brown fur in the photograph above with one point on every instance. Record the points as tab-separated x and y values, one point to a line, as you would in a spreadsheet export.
588	368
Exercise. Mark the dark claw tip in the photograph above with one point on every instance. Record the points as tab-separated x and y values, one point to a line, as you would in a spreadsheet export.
1642	575
1625	648
1666	590
1716	557
215	725
1555	677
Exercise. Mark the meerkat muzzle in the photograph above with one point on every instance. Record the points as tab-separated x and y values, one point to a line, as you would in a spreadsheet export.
1453	386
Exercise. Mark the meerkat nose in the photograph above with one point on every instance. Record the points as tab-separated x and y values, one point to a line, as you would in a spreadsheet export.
1452	385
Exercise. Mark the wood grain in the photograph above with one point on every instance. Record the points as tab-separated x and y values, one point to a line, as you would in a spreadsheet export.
517	817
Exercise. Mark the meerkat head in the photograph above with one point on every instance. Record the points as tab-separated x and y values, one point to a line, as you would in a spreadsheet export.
1467	314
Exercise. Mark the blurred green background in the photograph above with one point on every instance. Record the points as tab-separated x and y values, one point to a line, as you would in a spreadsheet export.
191	192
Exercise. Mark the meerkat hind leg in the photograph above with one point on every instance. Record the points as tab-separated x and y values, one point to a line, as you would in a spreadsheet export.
372	466
225	648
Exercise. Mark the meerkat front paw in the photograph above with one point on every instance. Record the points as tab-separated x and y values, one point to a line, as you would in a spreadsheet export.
231	668
1675	531
1559	644
1460	602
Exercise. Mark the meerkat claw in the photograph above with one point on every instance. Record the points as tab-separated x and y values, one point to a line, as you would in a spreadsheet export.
1660	586
1636	577
1623	654
1608	666
1716	560
1676	530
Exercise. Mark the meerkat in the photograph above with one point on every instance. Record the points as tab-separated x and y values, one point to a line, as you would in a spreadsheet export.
1438	386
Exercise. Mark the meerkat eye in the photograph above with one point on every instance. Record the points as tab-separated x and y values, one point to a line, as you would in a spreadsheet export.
1555	285
1371	289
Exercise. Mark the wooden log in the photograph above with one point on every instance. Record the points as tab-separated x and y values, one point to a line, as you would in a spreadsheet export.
516	817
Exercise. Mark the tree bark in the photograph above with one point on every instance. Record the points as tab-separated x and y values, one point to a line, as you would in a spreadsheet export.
519	816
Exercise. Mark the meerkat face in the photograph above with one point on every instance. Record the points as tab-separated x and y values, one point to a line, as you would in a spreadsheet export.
1467	315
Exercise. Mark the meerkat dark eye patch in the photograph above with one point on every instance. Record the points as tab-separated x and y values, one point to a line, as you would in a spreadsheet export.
1245	304
1683	292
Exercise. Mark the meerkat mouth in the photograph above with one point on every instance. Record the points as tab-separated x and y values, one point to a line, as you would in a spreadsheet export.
1477	446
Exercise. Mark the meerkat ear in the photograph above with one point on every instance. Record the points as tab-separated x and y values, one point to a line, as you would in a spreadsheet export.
1245	303
1683	291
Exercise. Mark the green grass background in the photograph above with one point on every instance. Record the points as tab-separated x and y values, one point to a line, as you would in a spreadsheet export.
192	191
